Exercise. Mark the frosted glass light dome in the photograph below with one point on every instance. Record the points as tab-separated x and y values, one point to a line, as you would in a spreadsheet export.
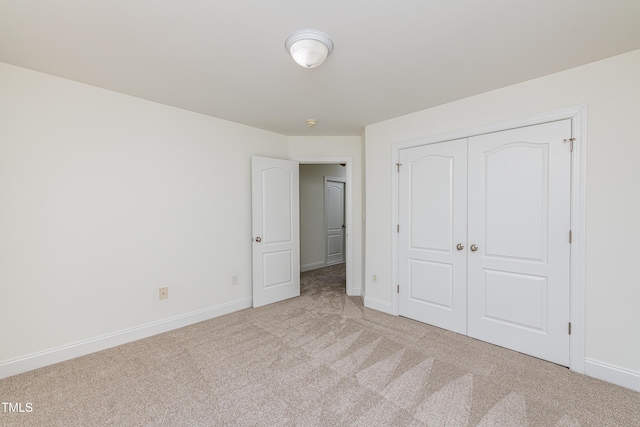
309	48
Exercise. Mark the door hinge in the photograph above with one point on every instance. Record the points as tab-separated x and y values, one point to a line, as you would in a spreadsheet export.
570	236
398	228
569	328
570	141
398	166
398	289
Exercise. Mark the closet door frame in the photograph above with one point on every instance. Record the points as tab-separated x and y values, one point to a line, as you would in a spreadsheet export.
578	115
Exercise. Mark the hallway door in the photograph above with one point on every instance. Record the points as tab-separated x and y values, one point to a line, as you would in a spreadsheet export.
334	220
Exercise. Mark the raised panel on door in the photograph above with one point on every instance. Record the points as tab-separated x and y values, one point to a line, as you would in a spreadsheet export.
432	222
276	235
519	219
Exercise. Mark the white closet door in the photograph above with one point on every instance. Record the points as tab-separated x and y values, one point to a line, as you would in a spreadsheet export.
433	210
519	219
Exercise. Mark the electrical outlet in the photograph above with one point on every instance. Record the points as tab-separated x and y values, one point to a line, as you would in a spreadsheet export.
374	277
234	279
164	293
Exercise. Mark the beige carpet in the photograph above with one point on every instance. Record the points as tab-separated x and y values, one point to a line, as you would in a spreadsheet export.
318	360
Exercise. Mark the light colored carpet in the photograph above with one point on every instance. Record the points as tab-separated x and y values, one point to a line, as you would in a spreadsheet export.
318	360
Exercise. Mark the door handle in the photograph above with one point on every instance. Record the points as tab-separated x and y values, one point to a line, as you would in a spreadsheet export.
459	246
258	239
474	248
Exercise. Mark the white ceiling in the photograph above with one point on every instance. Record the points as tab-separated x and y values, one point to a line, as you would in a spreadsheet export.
226	58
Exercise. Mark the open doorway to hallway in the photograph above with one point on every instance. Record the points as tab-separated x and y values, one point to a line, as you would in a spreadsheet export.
322	216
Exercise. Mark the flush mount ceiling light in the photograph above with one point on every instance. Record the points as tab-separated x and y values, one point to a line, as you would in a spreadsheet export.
309	48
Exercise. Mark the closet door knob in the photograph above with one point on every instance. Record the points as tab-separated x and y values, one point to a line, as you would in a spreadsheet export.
459	246
474	248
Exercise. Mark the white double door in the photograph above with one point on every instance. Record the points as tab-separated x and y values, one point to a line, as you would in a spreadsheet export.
484	237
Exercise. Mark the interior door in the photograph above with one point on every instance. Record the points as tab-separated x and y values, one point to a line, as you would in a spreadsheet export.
433	231
275	227
519	222
334	220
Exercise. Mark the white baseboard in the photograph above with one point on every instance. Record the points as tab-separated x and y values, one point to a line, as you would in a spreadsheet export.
312	266
376	304
82	348
612	374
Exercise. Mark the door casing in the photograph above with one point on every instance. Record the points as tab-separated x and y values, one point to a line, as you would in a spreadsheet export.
578	115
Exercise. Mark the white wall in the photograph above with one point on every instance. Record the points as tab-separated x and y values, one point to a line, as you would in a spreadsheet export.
312	232
611	89
339	147
104	198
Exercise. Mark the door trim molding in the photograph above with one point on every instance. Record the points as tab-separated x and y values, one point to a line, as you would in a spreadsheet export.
578	116
348	206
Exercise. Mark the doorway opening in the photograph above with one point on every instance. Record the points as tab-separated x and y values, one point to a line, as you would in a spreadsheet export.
323	242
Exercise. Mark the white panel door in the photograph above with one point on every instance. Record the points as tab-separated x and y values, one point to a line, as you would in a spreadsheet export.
275	227
432	223
519	221
334	220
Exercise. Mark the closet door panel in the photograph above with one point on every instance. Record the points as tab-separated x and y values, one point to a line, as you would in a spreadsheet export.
519	220
432	222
